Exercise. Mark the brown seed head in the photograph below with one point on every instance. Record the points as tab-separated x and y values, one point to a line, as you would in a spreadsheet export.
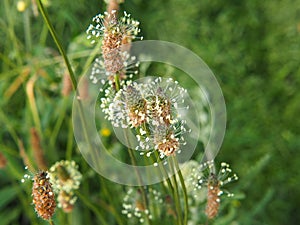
43	196
160	109
111	44
213	200
169	145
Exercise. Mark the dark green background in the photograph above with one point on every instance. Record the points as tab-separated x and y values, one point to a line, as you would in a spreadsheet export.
253	48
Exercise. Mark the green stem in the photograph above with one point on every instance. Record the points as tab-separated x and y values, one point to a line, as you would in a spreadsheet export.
51	222
132	158
74	83
143	194
59	121
111	199
164	174
57	42
92	207
71	72
69	141
185	196
27	31
176	192
43	36
117	82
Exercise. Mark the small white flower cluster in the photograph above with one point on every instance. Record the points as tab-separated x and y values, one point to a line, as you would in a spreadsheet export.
107	23
134	208
127	69
155	108
202	175
65	179
115	36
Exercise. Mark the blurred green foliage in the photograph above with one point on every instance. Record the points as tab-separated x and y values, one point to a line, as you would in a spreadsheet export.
253	48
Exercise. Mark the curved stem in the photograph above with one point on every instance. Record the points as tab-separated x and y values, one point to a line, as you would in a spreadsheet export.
81	112
111	200
92	207
144	197
176	192
132	158
57	42
185	196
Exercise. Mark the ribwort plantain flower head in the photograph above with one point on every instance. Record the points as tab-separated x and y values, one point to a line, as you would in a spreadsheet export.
115	31
43	195
128	108
213	182
134	207
155	108
121	64
166	108
65	178
66	201
116	36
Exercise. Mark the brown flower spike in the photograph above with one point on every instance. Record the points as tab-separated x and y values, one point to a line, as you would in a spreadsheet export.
114	33
213	200
43	196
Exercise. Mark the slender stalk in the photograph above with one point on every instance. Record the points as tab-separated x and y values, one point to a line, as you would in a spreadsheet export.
131	155
69	142
28	42
164	174
144	197
51	222
81	112
67	62
92	207
59	121
111	199
176	193
117	82
57	42
185	196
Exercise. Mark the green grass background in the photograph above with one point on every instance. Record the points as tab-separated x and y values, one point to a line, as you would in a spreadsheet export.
253	48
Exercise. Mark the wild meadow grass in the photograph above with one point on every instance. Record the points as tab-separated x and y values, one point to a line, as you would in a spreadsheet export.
253	49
